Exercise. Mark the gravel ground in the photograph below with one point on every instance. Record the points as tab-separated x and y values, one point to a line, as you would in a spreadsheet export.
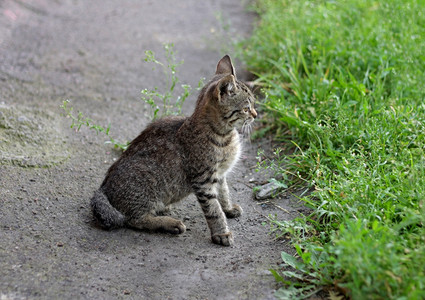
91	52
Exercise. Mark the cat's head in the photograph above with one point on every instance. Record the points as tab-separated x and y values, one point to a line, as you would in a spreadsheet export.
233	100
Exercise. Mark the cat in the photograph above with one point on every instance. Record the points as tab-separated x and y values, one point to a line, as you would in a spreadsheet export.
176	156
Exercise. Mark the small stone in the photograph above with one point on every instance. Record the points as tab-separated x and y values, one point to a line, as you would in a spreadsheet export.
205	275
267	191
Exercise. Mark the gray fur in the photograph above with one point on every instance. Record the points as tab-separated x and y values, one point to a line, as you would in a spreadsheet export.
176	156
107	215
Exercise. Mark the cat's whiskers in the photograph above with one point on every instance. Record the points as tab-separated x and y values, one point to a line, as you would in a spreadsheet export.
247	130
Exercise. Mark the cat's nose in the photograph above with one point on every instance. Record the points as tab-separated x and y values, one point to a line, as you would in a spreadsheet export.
254	113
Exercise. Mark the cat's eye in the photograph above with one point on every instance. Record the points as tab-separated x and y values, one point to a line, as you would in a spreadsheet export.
246	109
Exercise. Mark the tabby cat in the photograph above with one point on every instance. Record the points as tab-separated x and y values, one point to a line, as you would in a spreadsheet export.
176	156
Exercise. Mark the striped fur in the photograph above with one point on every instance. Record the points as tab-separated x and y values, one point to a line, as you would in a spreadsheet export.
176	156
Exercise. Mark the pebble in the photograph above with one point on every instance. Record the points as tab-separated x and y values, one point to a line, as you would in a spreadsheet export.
267	191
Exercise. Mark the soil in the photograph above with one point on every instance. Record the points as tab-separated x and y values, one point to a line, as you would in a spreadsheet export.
91	52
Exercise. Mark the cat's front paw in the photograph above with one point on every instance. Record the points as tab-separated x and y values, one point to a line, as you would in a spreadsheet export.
224	239
175	227
234	212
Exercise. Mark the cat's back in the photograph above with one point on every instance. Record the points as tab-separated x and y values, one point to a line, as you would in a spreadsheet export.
155	147
156	138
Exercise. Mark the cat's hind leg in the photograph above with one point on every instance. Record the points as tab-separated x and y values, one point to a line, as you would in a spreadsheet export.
157	223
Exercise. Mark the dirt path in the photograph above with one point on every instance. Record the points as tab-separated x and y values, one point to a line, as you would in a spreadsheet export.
91	52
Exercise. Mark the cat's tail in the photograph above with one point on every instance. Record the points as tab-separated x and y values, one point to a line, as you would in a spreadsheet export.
104	212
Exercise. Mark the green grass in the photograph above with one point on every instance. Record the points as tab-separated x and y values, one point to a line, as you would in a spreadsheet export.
346	84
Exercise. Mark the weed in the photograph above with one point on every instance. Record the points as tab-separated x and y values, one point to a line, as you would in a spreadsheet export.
169	69
344	85
151	97
80	120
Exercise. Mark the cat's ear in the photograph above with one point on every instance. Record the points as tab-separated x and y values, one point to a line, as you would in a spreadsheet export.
225	87
225	66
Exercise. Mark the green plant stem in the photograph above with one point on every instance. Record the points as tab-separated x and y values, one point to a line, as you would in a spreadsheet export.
80	120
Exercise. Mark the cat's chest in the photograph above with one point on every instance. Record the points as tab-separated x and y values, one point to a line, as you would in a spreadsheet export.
228	155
